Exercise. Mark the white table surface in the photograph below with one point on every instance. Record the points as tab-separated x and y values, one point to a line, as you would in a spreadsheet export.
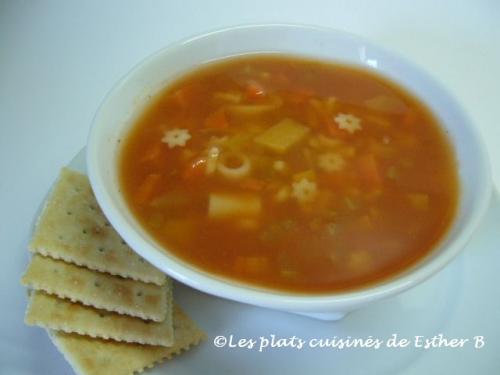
59	58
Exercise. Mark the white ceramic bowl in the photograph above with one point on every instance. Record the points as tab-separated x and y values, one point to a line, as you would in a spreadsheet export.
128	98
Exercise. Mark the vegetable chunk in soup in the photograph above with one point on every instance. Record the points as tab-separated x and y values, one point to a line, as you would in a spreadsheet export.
290	174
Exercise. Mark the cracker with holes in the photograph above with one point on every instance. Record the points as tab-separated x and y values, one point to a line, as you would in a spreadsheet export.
49	311
90	356
73	228
97	289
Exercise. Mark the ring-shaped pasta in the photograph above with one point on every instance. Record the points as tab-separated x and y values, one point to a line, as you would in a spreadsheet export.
234	165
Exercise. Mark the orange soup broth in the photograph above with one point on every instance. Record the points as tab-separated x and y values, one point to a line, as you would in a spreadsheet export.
385	193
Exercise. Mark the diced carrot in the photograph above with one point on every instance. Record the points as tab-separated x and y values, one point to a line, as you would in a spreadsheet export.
334	131
217	120
146	189
326	118
369	170
252	184
195	169
255	90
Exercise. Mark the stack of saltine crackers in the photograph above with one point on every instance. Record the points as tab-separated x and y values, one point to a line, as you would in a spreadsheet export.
105	308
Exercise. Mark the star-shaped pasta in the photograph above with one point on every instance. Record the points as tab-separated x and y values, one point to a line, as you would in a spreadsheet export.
348	122
331	162
304	190
176	137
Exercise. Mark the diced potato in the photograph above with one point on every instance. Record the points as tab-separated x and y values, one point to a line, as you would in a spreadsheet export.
230	205
282	136
419	201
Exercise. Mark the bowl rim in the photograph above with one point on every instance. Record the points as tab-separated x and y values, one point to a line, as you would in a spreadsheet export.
234	290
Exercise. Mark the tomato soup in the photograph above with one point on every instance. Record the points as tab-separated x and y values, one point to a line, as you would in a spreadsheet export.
290	174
